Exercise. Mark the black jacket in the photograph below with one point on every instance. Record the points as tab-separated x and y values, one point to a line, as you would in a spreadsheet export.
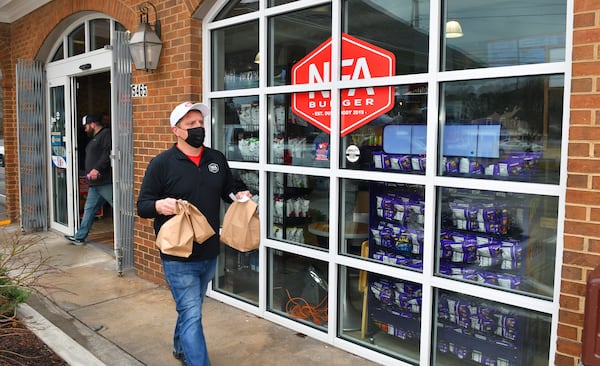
172	174
97	156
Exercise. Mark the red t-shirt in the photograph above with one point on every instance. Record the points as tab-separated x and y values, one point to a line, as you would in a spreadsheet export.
196	158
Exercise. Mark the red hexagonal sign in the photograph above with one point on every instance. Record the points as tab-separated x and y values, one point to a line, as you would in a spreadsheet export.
359	106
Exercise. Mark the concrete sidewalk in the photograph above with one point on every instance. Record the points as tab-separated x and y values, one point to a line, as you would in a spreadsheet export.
126	320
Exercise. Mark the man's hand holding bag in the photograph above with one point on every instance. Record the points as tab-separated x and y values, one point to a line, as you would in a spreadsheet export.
241	226
177	235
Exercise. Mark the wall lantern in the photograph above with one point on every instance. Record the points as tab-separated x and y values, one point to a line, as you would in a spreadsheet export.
145	45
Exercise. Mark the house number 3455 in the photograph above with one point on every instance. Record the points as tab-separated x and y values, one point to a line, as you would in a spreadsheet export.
139	90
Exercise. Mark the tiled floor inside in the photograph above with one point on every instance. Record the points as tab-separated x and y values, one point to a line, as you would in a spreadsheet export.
102	231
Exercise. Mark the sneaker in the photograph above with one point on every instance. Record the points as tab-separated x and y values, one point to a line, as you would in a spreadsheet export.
73	240
180	357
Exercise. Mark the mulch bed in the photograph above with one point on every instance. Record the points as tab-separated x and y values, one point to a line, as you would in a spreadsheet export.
19	346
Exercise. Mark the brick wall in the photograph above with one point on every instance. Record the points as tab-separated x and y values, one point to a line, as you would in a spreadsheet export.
4	64
8	115
178	78
26	38
582	213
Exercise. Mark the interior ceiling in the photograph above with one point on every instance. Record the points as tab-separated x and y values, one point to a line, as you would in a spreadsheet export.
11	10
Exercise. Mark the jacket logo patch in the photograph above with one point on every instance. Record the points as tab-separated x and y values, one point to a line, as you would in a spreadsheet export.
213	167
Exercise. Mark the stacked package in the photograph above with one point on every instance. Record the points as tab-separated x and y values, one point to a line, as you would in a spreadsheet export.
249	148
479	332
516	164
482	217
397	232
480	258
478	247
396	307
406	163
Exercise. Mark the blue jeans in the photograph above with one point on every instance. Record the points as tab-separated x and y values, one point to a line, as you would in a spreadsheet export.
96	197
188	282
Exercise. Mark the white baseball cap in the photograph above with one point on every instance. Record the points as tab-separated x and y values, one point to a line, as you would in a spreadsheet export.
182	109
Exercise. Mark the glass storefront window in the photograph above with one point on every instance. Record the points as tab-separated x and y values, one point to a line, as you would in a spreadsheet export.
235	131
99	33
490	124
292	36
298	288
497	239
394	141
119	27
237	272
59	54
299	209
502	33
484	332
294	141
506	128
99	36
280	2
234	51
354	216
380	312
59	154
400	27
237	7
76	41
383	222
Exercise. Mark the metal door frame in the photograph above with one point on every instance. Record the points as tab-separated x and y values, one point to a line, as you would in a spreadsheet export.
117	61
31	137
72	202
66	72
122	159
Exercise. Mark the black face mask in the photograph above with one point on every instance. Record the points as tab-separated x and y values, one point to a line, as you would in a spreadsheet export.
195	136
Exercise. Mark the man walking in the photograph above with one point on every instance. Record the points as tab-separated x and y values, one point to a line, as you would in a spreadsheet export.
200	175
99	175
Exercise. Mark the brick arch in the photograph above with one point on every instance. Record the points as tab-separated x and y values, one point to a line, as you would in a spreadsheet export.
28	38
52	18
125	12
57	32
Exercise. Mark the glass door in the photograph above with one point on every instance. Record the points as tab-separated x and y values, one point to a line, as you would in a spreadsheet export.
61	157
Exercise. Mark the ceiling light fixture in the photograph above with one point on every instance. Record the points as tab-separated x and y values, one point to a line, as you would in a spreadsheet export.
453	29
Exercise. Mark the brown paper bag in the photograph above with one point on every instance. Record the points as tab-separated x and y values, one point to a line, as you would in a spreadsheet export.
177	235
241	226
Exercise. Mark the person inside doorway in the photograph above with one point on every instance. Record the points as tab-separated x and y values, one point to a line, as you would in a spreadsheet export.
98	175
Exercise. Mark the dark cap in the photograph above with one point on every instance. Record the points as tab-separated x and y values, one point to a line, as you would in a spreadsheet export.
89	118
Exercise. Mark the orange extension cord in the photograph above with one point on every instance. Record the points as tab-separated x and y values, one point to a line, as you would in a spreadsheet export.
299	308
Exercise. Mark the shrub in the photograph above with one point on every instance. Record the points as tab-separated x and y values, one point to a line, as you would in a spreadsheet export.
10	295
23	261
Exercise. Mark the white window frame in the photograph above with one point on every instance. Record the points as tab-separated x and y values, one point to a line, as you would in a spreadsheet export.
431	180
